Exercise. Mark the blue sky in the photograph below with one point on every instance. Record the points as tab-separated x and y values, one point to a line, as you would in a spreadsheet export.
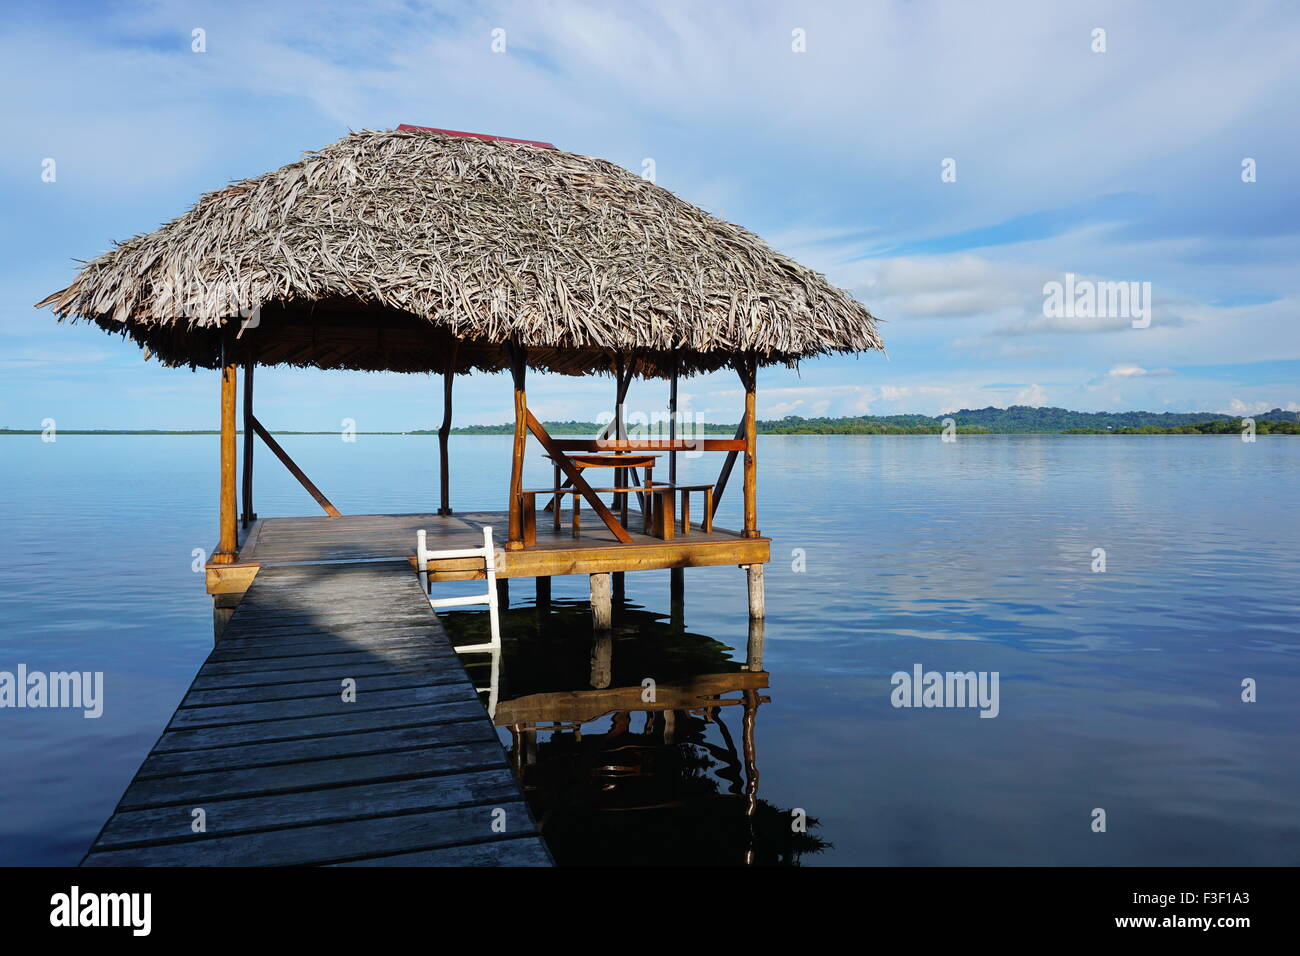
1116	165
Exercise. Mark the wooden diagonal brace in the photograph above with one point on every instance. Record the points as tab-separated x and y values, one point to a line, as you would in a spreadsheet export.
576	480
720	485
294	470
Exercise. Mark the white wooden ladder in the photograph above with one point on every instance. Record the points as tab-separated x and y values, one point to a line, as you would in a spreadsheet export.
488	553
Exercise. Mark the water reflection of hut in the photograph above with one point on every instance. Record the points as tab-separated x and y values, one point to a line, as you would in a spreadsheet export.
638	745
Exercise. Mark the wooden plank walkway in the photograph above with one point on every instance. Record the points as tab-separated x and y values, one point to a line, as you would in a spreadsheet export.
288	773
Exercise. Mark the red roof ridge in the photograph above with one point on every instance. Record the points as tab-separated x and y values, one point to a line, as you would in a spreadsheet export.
455	132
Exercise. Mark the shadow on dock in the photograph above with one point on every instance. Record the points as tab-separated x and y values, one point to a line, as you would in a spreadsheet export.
637	746
332	724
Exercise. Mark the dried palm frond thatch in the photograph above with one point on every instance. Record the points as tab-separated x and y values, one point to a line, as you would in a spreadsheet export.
382	250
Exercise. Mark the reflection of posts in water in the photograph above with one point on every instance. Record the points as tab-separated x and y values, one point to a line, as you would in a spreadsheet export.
223	609
602	659
677	599
524	752
494	682
751	765
754	652
517	750
625	767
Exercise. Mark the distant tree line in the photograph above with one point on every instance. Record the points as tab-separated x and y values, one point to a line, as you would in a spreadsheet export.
1231	426
1018	419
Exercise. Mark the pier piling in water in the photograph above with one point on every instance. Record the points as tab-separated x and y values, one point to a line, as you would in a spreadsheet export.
602	604
757	600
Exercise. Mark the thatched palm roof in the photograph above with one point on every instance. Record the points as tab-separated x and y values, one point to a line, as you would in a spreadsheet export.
380	250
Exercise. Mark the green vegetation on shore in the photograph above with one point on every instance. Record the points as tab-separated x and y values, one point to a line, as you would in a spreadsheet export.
1018	419
792	425
1232	426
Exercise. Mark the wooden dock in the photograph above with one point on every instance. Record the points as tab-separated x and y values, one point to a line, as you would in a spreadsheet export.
273	541
281	768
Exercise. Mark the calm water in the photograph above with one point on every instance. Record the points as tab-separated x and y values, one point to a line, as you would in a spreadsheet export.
1118	690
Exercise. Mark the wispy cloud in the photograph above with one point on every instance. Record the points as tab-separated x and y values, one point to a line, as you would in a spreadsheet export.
1116	166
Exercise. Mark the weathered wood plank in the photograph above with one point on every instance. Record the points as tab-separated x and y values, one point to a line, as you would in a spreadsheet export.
188	717
331	842
372	668
259	665
263	693
384	740
195	788
254	651
272	730
523	851
316	634
288	772
172	824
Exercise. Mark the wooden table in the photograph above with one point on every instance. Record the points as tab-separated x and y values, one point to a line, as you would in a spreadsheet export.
617	461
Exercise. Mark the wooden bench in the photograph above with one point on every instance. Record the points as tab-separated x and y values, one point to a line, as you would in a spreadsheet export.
662	519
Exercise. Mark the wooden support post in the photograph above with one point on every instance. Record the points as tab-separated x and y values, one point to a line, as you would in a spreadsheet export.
503	592
676	585
619	585
672	424
543	591
247	493
754	652
748	369
602	612
619	501
622	382
757	602
444	434
677	599
227	541
518	365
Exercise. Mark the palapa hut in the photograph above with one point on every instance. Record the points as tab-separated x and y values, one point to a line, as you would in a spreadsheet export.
419	250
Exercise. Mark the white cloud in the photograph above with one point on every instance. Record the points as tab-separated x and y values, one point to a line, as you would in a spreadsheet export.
1237	406
1033	395
832	154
